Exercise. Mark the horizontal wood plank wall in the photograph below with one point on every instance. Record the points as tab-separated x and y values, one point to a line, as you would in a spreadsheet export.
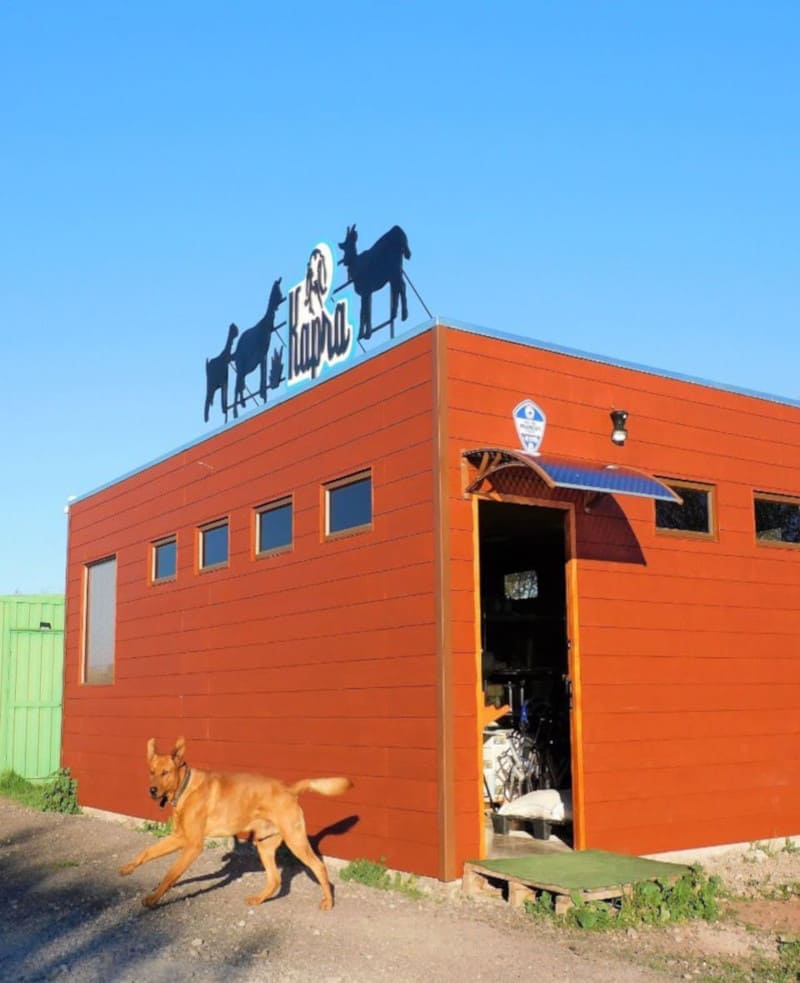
317	661
689	650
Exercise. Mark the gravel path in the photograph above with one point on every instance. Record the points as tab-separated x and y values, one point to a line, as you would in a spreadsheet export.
69	915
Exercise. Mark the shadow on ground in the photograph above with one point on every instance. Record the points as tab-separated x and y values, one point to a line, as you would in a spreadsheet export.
67	911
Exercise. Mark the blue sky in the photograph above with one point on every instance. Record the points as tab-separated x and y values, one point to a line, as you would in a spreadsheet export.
617	177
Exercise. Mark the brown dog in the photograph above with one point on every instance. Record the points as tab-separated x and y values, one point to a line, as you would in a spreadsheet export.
212	803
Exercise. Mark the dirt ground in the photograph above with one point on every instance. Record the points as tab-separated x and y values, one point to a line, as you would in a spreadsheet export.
68	915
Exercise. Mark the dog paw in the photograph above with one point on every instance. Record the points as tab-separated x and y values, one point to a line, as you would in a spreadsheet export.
326	904
150	900
127	869
253	899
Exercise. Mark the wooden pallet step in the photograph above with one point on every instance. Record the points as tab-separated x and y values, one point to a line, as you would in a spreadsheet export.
476	881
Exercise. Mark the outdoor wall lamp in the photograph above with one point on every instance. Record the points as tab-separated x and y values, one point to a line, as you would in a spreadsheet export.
619	434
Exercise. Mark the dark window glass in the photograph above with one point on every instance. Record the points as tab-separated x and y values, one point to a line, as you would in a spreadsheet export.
350	505
777	521
214	547
165	556
693	516
275	527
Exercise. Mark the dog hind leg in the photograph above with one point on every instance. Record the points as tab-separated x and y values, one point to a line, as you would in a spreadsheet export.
297	841
266	851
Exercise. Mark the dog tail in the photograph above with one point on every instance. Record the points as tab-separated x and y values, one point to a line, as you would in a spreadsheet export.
322	786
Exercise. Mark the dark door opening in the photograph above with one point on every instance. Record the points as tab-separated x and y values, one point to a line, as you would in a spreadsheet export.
524	660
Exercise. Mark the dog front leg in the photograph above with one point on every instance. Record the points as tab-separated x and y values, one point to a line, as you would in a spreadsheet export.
185	860
159	849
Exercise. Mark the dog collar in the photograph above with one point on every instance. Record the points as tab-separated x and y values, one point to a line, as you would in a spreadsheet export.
182	788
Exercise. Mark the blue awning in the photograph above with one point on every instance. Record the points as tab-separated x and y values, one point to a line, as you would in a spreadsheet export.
561	472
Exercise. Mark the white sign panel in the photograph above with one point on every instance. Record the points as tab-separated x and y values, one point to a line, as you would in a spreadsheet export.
530	422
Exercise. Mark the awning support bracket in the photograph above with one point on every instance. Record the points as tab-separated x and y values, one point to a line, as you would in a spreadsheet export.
591	498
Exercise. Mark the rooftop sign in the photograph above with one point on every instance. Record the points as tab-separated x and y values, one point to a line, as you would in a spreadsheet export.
319	333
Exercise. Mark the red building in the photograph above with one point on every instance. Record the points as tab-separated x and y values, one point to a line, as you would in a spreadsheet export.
340	582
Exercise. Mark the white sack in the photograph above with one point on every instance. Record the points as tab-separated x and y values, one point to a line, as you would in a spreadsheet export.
544	803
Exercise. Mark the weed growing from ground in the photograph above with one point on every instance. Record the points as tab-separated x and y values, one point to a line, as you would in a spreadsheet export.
375	874
543	906
61	794
694	895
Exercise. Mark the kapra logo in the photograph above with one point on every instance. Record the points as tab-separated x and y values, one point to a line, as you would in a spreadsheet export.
530	422
318	336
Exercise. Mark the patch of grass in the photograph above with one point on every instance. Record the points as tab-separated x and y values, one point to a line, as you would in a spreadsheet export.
779	892
790	846
375	874
544	906
156	828
758	846
14	786
58	794
786	969
64	864
789	957
694	895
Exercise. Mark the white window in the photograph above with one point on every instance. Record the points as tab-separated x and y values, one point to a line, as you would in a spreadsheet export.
100	623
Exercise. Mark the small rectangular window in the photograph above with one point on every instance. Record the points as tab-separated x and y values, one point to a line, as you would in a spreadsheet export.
695	516
100	622
214	545
274	526
777	519
165	559
348	504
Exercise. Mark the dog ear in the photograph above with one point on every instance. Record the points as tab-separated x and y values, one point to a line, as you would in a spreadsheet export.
151	749
180	748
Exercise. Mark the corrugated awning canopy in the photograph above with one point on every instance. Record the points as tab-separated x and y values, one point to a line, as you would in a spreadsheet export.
561	472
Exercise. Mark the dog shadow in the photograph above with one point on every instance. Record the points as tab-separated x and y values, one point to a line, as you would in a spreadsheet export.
243	859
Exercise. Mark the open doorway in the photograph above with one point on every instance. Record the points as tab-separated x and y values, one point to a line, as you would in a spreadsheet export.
524	654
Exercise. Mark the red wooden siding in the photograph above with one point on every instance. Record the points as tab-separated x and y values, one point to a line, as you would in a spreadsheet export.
358	655
687	652
317	661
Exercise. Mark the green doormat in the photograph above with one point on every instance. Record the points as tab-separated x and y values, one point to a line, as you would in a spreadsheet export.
582	870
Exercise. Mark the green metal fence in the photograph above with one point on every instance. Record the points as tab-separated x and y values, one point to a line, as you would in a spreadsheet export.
31	683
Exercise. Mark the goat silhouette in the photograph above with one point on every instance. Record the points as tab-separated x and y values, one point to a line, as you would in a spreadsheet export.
251	352
217	374
373	268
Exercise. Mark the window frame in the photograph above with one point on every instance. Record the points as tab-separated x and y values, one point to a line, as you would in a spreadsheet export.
273	506
202	531
105	674
365	474
773	497
676	484
155	546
